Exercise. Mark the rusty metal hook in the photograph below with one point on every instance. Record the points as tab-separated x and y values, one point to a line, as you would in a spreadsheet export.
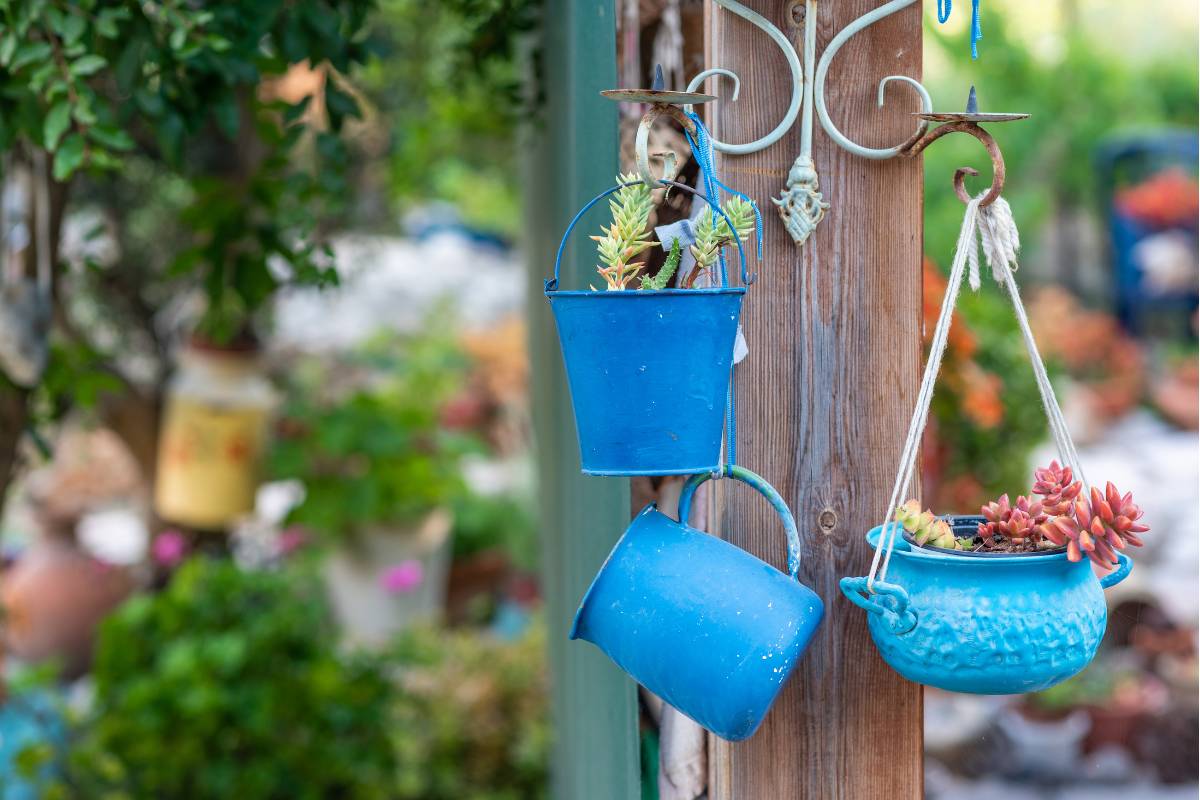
966	122
989	143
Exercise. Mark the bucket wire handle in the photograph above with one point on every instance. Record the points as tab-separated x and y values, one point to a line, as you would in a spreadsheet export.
765	489
552	284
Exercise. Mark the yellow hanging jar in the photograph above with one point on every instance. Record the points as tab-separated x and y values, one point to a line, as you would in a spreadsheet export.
214	429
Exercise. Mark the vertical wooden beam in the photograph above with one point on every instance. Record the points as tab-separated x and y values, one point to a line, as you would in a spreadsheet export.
825	396
572	155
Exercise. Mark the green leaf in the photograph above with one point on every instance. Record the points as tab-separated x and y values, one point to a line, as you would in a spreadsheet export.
8	46
69	157
72	28
112	138
88	65
58	120
106	23
28	53
151	103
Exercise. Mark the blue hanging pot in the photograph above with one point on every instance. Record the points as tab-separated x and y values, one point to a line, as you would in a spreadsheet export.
985	625
709	628
656	407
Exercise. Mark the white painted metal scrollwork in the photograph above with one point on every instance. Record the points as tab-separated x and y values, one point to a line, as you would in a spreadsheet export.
844	35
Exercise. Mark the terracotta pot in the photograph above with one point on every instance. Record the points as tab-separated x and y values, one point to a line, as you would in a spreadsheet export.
53	597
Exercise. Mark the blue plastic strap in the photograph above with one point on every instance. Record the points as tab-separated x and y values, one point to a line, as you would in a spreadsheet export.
943	10
552	284
976	30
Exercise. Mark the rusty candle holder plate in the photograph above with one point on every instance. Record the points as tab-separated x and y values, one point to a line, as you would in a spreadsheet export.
657	96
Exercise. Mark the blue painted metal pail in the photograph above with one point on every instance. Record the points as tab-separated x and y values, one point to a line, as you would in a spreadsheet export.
649	376
1002	625
648	369
709	628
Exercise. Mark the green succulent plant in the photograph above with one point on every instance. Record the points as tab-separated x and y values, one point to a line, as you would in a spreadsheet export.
624	238
669	266
712	234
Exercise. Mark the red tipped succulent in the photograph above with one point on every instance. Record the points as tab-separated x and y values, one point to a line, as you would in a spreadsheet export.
1098	526
1012	522
1058	490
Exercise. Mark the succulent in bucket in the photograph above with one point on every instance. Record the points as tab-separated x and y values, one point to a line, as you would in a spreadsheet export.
623	239
713	232
663	277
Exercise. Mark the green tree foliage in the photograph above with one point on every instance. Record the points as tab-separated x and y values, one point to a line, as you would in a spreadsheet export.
178	84
451	83
374	451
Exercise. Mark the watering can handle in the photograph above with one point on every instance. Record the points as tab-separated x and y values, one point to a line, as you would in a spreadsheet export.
900	618
765	489
552	284
1124	567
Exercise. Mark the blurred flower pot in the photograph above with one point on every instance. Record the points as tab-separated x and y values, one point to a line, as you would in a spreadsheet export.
53	598
213	431
1044	746
387	578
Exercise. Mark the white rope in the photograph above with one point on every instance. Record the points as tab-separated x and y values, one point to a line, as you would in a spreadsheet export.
993	230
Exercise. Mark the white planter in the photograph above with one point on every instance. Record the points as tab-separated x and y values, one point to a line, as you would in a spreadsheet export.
368	611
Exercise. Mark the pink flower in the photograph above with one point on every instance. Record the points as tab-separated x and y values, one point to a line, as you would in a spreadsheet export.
169	548
403	577
292	539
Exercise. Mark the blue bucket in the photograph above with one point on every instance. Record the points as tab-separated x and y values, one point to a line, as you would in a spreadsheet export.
648	371
709	628
998	625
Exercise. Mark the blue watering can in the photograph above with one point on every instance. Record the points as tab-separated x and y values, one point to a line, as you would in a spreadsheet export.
994	625
709	628
648	369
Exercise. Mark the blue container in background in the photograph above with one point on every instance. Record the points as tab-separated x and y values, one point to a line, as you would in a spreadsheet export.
649	376
709	628
1002	625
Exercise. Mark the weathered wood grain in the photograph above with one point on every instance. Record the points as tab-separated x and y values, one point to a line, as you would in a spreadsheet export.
825	396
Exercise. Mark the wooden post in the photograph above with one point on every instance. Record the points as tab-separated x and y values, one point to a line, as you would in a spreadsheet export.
825	395
571	155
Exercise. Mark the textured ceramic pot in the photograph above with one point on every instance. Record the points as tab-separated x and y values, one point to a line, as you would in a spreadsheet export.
709	628
997	625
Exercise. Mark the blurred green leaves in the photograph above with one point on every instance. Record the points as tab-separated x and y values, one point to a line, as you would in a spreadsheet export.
230	684
375	452
452	82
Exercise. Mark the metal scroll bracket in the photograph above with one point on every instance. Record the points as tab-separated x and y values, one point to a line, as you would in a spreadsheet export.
801	204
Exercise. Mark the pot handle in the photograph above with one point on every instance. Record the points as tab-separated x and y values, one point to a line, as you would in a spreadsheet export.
765	489
1124	567
552	284
893	606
